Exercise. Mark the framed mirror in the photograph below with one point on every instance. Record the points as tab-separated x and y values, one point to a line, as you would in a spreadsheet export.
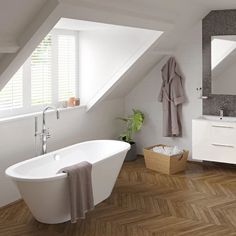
219	62
223	64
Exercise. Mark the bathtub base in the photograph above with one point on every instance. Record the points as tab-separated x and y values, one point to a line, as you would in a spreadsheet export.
53	222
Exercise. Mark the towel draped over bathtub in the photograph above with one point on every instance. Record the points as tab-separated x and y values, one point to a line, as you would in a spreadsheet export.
172	96
80	189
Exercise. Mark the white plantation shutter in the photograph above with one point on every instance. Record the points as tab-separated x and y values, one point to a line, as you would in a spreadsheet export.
47	77
11	96
41	73
66	67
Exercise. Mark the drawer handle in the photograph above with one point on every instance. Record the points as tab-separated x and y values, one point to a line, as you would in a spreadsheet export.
223	126
222	145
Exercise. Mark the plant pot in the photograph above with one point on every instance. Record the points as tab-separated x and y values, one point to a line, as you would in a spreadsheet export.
132	153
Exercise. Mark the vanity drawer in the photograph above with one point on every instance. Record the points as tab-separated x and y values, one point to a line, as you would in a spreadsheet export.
214	141
223	153
224	134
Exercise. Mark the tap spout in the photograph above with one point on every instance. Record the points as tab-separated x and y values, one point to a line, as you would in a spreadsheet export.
50	108
45	133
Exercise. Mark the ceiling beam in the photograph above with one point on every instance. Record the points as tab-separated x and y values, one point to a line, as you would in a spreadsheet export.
29	40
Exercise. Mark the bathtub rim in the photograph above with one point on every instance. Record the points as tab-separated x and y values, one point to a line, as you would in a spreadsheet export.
10	173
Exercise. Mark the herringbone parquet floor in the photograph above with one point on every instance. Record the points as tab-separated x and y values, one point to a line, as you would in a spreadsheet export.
201	201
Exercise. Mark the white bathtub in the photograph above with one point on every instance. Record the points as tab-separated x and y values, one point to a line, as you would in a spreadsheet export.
46	192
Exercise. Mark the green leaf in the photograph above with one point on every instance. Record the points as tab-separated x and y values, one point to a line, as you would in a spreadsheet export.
134	123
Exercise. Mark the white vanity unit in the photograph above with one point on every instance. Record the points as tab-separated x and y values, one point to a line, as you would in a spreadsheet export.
214	139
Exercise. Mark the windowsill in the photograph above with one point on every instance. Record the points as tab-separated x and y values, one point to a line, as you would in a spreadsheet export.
24	116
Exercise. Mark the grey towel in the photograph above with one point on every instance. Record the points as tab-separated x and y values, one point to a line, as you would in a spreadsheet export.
80	189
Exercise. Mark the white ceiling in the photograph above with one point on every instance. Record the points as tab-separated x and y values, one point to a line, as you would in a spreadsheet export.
182	13
167	7
17	15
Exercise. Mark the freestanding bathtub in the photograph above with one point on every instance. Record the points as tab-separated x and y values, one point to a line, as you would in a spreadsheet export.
46	192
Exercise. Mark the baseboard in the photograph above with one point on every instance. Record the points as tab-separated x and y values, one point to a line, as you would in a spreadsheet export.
10	204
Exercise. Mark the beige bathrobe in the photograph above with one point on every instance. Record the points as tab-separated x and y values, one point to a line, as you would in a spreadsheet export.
171	96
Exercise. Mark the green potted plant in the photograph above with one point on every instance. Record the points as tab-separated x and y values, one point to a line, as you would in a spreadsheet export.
134	123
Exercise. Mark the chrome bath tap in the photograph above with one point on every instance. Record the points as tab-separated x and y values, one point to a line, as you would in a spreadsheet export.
45	132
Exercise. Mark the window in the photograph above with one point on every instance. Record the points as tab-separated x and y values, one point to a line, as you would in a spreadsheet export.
11	95
41	73
66	63
49	76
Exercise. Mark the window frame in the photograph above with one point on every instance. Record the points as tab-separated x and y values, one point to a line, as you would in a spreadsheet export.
27	107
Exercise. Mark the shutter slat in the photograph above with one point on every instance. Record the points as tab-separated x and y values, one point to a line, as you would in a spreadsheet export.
41	72
11	96
66	67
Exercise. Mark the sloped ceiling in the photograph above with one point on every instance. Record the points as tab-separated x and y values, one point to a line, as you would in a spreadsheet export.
15	16
20	20
182	13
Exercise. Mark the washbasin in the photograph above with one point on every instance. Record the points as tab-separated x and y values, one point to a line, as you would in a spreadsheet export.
218	118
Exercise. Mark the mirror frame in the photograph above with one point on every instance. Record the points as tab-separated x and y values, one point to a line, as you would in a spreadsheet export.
220	22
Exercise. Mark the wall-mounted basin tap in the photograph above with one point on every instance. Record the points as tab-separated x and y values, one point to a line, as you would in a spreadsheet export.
221	111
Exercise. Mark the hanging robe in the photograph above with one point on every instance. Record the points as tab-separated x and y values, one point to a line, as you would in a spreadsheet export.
172	96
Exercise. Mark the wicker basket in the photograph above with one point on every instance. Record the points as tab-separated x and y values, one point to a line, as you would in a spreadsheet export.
164	163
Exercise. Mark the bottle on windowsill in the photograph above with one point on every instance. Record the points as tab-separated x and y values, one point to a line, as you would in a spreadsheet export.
77	102
73	101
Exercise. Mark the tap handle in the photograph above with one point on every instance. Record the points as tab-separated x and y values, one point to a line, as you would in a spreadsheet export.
35	126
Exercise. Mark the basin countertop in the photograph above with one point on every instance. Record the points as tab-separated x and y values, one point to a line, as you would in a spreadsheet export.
217	118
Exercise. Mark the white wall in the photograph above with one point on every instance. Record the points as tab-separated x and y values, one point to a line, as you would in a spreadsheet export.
17	136
144	95
104	53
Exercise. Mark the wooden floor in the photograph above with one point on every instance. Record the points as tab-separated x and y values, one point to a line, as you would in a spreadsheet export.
201	201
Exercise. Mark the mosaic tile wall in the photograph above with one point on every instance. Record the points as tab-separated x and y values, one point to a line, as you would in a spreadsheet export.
222	22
